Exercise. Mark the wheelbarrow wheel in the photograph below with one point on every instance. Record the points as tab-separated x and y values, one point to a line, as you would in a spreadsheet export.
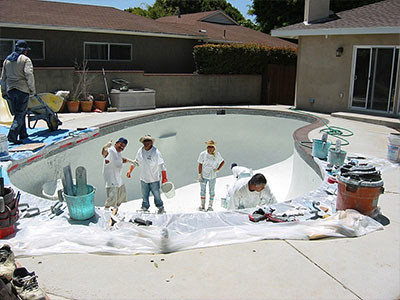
52	123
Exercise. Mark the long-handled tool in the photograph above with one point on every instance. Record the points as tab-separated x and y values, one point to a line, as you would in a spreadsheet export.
110	108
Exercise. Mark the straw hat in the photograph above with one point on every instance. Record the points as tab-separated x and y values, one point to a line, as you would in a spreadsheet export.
146	137
210	143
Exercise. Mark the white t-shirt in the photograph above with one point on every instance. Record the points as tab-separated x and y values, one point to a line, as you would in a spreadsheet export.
210	163
240	171
112	171
240	196
151	163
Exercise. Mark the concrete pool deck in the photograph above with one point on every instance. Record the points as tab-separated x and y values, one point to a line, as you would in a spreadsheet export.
366	267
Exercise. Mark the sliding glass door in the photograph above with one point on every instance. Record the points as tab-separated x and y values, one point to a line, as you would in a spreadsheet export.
374	79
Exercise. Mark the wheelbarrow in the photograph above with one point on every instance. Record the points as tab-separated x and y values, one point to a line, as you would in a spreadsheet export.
44	107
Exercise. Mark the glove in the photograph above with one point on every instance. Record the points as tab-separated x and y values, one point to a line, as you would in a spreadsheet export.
200	178
164	176
106	146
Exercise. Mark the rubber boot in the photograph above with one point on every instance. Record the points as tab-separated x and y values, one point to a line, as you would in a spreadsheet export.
202	204
210	204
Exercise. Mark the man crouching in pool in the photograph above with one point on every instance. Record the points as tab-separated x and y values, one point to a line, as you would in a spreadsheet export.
112	170
249	192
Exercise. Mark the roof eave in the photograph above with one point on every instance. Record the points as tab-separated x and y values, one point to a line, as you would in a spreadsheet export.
100	30
335	31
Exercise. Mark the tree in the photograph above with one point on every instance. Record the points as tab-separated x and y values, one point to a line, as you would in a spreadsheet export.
162	8
274	14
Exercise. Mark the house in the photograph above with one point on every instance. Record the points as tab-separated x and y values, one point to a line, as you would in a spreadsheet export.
220	28
61	34
348	61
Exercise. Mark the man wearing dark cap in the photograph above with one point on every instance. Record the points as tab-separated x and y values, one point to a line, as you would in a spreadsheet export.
17	82
112	170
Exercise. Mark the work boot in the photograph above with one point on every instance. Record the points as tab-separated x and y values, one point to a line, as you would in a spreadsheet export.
26	285
143	210
210	204
202	204
161	210
7	263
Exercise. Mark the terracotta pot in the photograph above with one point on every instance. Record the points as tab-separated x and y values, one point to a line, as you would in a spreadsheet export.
86	106
73	107
63	107
100	104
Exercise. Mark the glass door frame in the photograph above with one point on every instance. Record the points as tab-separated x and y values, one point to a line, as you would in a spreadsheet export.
395	81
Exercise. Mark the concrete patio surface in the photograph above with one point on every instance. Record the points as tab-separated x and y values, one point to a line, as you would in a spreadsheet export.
366	267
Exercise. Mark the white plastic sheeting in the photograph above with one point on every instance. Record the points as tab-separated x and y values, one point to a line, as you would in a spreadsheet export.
179	231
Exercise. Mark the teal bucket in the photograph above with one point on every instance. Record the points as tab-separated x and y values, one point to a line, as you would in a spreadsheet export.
81	207
320	149
336	157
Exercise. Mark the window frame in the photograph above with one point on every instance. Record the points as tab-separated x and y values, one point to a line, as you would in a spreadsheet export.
28	41
108	44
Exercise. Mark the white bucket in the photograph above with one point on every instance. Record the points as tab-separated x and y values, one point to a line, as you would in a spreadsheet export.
50	189
394	147
168	189
3	145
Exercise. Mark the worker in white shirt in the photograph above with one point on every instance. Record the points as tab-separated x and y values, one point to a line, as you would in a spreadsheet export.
210	162
112	169
153	169
240	172
250	192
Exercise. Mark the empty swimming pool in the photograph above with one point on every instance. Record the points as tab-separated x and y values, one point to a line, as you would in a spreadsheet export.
256	141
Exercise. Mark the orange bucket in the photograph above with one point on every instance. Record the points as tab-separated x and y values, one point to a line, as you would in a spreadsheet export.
361	198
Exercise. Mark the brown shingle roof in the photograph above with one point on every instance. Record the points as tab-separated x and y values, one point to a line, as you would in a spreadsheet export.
381	14
90	17
225	33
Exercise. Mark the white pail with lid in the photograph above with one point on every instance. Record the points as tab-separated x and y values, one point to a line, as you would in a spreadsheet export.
168	189
394	147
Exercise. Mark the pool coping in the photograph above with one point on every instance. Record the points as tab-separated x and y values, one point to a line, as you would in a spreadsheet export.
299	135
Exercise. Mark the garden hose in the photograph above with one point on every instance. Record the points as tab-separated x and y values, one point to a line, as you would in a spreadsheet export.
335	131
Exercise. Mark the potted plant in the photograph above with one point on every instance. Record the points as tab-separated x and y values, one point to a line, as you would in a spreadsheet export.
87	104
80	96
73	104
100	102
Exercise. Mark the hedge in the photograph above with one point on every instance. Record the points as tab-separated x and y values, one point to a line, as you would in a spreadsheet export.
240	58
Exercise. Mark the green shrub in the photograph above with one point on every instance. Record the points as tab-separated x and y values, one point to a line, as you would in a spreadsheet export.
240	58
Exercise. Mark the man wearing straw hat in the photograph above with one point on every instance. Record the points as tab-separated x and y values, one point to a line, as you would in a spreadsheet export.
17	82
210	162
152	168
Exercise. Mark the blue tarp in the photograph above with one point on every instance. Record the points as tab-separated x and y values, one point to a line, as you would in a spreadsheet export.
39	135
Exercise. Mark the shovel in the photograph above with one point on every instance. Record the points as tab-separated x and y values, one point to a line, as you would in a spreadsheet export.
81	181
69	188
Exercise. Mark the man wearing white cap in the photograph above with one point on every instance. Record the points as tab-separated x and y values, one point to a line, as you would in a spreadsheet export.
210	162
17	82
152	170
112	170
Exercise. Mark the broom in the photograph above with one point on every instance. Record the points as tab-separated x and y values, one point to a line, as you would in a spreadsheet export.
110	108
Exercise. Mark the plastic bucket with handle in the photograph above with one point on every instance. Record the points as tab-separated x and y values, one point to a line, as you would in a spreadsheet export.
81	207
168	189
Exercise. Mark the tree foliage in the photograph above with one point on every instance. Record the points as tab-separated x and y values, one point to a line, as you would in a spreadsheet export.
162	8
274	14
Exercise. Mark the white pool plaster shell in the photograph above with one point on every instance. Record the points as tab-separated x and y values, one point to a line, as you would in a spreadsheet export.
184	227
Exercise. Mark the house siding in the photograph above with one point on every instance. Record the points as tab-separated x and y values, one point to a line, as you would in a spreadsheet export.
323	77
150	54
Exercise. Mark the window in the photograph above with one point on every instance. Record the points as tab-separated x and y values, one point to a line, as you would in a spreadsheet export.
107	51
36	52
